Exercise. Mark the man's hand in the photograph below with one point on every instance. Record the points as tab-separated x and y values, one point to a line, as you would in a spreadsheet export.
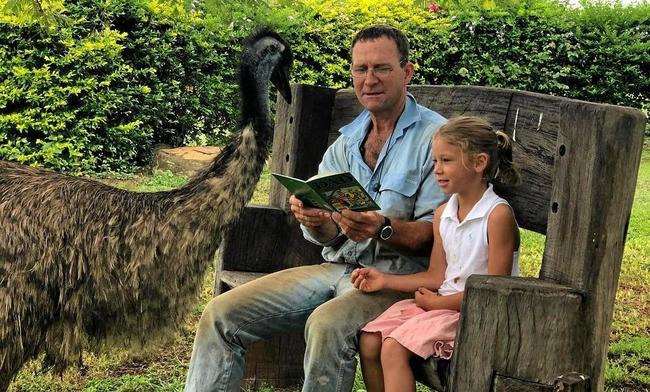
358	226
368	279
307	216
427	299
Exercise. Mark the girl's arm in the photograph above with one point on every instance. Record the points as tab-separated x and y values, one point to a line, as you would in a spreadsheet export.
370	279
503	239
429	300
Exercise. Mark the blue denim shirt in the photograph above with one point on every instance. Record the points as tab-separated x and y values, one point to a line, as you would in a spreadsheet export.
407	188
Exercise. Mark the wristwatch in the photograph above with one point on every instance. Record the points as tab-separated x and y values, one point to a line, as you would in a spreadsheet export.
386	230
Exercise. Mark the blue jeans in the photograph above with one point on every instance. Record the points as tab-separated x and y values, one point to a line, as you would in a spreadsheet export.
318	298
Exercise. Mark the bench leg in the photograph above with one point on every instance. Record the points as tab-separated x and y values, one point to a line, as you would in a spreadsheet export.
276	362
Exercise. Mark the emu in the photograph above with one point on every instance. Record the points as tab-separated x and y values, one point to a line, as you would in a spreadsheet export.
84	265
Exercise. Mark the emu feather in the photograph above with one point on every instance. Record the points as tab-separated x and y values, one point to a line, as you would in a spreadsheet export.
84	264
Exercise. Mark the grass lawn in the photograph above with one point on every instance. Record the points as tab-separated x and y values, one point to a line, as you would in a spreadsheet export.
163	368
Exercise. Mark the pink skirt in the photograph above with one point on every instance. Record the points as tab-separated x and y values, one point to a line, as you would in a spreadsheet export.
425	333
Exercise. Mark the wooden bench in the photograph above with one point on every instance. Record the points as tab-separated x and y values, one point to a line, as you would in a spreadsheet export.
579	161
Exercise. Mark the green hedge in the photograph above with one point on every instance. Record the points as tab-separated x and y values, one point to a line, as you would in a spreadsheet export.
111	81
117	77
599	54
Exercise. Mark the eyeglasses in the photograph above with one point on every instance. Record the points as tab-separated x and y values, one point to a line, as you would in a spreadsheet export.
380	71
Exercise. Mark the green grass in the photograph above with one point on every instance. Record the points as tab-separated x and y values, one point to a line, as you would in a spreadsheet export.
163	368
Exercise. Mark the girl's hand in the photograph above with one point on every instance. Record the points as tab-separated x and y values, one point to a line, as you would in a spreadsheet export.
427	299
368	279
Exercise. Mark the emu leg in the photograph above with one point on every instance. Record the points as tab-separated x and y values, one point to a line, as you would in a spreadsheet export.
14	357
21	339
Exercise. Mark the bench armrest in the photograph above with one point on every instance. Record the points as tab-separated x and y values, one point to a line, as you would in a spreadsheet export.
264	239
519	327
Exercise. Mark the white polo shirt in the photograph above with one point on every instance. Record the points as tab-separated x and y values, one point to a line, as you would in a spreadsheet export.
466	242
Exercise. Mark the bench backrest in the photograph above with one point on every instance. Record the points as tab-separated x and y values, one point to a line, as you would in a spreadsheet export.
573	156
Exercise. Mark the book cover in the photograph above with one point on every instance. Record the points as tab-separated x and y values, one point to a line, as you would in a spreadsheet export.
330	191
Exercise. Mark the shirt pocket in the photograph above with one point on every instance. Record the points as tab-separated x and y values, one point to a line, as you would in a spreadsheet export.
397	195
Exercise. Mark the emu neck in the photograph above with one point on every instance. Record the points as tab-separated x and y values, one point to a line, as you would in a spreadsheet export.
254	90
221	192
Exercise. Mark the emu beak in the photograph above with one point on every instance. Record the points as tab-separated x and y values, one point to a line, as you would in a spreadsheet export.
280	79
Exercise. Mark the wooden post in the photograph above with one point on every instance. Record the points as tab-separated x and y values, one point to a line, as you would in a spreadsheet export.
301	136
596	166
514	326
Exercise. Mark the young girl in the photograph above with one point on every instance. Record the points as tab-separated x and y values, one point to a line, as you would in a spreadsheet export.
475	232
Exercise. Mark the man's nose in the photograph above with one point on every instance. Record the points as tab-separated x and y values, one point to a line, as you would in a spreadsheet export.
371	78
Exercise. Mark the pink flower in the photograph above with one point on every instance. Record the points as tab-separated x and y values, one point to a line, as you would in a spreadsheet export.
433	7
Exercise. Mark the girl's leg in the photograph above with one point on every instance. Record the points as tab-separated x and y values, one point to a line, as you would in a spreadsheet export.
395	361
370	354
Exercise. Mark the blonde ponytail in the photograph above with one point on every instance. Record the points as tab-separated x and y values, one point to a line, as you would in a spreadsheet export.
506	172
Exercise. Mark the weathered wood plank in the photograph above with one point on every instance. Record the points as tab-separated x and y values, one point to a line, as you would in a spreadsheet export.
346	108
300	138
523	327
593	189
263	239
487	102
532	122
277	362
509	384
238	278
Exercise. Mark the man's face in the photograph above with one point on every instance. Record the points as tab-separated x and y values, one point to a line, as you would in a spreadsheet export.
382	87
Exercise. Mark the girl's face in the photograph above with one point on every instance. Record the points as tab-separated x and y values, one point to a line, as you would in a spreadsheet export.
454	170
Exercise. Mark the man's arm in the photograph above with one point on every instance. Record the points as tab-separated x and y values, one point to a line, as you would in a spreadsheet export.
415	237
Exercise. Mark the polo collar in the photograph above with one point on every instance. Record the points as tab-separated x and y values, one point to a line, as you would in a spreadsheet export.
357	129
480	209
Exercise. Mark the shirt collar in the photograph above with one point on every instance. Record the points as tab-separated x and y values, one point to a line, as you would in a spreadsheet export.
480	209
357	129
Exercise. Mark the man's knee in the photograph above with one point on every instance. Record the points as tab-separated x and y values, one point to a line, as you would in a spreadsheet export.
322	326
218	314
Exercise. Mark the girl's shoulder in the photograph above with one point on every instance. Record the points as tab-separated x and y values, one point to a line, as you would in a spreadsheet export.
438	212
502	213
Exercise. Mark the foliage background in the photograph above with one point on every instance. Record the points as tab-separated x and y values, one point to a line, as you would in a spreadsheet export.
94	85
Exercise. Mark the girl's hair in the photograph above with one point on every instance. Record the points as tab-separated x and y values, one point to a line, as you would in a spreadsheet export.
474	136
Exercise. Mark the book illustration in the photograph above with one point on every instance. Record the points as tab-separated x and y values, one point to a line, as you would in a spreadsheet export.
328	191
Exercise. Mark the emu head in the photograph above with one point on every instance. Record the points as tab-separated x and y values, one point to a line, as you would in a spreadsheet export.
270	57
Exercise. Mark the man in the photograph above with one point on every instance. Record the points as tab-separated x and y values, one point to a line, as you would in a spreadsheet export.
388	149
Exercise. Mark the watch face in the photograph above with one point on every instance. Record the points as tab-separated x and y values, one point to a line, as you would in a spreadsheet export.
386	232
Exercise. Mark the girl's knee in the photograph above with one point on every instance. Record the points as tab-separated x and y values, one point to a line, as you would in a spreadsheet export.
370	345
392	352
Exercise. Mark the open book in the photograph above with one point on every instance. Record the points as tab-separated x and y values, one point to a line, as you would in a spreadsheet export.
330	191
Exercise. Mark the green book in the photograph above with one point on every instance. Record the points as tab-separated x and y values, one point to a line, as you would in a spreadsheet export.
330	191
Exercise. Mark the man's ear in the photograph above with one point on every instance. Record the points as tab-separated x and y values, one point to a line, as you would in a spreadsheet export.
481	162
409	71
